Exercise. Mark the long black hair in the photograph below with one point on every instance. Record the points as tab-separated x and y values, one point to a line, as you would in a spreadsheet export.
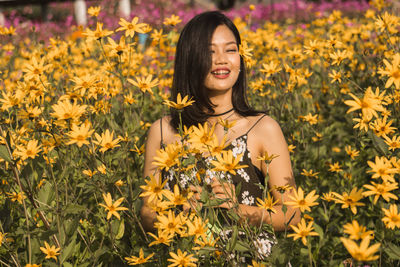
193	63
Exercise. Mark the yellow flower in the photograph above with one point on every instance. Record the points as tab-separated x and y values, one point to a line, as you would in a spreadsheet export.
271	68
268	203
313	47
350	200
129	99
119	183
267	158
281	189
94	11
98	33
133	260
392	217
256	264
177	198
14	196
168	157
291	148
352	153
173	20
301	202
130	27
33	265
182	259
382	168
215	147
227	163
362	252
51	252
339	56
117	48
381	190
102	169
145	83
170	223
89	173
64	110
201	137
111	207
180	103
311	119
336	76
309	173
381	127
31	150
30	113
35	69
161	238
197	227
335	167
362	123
226	124
158	36
328	197
80	134
357	231
393	143
303	230
138	150
2	236
387	22
106	141
368	105
245	52
393	71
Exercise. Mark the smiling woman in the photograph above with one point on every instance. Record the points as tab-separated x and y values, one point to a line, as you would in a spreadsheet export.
226	138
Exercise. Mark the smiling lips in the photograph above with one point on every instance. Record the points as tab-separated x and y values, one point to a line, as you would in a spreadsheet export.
221	73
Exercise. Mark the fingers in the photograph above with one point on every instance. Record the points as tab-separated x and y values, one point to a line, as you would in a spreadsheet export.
196	191
223	188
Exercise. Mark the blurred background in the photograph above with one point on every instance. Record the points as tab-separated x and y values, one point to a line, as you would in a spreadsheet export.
59	17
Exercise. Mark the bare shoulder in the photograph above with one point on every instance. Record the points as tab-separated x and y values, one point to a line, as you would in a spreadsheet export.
267	127
161	129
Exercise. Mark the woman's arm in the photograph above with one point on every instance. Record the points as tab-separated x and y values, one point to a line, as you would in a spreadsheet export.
269	135
152	145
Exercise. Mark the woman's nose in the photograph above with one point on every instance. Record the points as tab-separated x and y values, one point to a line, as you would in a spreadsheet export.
219	57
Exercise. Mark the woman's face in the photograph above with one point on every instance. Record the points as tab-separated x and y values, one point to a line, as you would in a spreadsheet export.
225	65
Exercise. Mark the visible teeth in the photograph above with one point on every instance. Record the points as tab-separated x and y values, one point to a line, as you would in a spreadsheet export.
220	72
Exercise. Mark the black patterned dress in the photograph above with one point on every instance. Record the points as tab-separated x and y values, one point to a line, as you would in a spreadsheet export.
249	179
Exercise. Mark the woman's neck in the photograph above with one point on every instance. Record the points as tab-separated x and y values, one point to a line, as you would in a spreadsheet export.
222	101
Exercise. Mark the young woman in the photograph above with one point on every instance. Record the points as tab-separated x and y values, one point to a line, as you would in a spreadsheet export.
209	68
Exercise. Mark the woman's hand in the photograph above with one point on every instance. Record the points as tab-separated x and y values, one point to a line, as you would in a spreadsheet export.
224	190
194	201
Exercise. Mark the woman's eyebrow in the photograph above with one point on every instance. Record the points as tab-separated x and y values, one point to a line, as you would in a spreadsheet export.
228	43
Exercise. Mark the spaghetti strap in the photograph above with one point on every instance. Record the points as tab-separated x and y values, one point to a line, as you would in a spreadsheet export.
161	141
256	123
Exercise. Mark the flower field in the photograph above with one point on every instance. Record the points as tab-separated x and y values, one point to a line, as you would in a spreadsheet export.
75	110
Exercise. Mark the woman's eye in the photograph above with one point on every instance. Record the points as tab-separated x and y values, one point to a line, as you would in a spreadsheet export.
232	50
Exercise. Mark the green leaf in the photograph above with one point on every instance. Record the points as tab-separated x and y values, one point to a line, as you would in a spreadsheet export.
121	230
71	226
379	144
4	153
66	252
393	251
233	239
67	264
74	209
241	246
319	230
46	193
